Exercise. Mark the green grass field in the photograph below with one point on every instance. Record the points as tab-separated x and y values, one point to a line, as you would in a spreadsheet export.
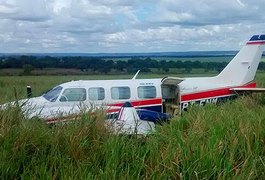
212	142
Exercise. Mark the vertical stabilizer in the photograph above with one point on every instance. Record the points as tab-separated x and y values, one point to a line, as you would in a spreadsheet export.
242	68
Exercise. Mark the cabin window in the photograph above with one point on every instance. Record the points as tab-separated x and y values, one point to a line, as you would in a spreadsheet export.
120	93
145	92
73	94
53	94
97	93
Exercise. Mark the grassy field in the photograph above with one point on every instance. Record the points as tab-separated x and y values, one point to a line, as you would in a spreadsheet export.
212	142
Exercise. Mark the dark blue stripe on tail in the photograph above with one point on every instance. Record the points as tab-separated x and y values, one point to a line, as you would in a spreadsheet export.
257	38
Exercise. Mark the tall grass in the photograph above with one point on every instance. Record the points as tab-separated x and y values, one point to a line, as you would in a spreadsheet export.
211	142
225	141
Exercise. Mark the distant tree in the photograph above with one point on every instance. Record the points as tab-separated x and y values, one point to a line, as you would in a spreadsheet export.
188	64
1	63
27	68
188	69
120	65
148	59
197	64
28	63
82	67
179	64
106	66
145	70
165	65
166	69
219	69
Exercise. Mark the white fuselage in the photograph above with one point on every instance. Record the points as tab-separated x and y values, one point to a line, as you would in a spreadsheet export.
111	94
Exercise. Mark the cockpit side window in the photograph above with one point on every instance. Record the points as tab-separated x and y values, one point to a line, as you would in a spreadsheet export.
96	93
73	94
53	94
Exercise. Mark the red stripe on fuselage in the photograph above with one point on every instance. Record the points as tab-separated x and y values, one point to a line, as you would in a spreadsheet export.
213	93
141	102
256	42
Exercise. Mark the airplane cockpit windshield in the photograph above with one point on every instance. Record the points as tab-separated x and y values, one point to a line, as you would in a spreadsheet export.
52	94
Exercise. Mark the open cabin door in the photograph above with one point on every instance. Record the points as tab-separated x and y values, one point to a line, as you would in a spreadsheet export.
171	97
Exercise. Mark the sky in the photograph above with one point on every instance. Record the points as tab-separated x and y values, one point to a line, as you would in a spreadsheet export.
128	26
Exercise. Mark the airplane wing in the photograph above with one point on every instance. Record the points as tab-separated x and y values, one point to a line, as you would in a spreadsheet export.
248	90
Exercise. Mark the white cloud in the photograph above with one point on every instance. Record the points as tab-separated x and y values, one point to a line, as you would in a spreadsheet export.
240	3
4	9
127	26
25	10
205	12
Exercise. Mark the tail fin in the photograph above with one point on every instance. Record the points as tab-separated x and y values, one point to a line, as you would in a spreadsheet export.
242	68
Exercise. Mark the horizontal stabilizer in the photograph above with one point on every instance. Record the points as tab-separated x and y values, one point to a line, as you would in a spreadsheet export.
248	90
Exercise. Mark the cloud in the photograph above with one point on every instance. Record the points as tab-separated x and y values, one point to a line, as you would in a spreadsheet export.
240	3
127	26
25	10
208	12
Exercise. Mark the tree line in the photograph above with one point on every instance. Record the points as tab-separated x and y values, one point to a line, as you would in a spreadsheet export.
97	64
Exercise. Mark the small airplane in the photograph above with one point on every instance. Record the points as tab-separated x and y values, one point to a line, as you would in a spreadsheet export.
151	97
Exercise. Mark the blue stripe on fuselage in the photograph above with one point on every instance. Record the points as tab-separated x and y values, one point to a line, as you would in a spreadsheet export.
153	108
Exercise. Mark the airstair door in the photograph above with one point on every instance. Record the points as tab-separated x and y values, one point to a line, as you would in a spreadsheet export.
171	97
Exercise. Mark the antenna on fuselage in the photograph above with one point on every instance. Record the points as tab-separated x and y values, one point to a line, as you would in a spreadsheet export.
134	77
